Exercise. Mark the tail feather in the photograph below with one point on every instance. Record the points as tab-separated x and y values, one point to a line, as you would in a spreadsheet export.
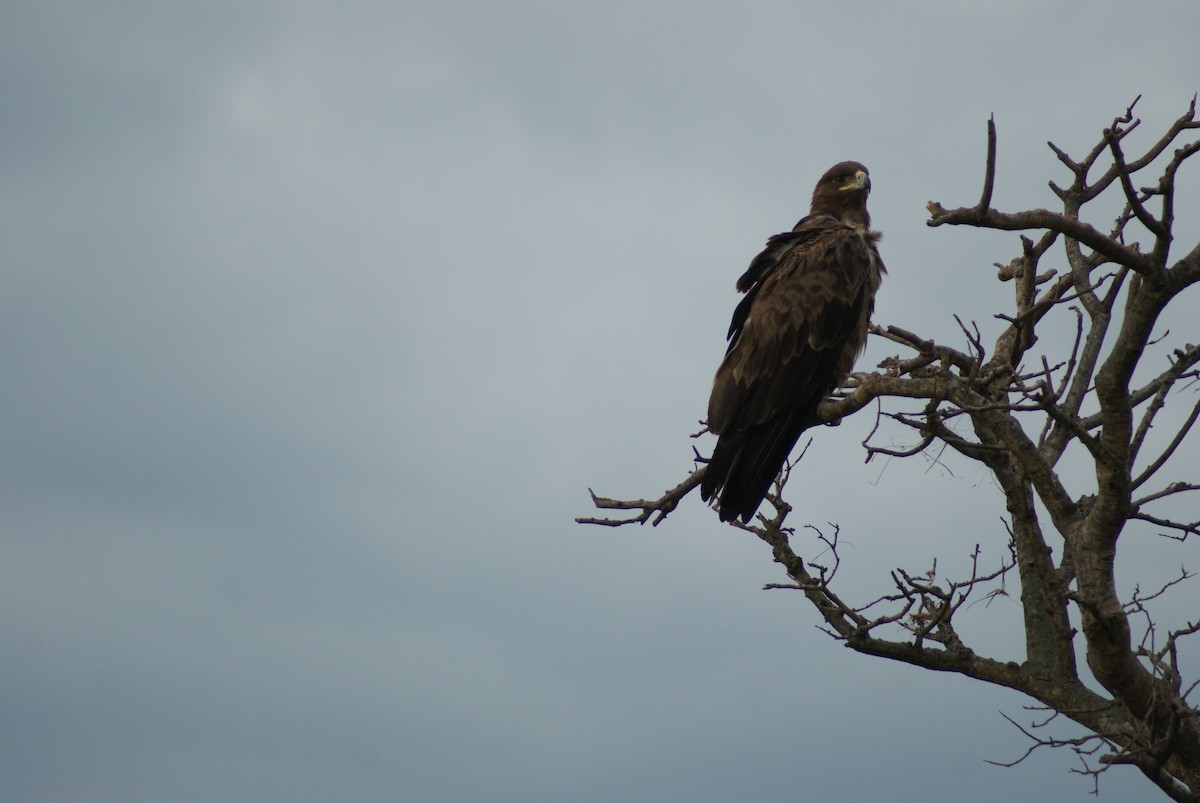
745	463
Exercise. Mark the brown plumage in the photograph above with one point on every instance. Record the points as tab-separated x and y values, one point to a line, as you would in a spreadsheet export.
793	339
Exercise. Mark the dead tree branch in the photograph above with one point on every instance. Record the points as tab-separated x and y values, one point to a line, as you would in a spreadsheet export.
1017	406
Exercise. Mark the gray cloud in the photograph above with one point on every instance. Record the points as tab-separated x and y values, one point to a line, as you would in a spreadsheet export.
319	320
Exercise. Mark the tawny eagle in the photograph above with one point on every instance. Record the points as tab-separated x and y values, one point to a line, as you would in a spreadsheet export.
793	339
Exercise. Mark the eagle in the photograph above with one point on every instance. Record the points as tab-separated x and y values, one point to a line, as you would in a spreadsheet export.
793	339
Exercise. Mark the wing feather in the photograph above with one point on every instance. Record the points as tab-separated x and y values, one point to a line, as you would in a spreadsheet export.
793	340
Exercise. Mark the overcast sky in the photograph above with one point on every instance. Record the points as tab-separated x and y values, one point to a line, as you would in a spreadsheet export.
318	320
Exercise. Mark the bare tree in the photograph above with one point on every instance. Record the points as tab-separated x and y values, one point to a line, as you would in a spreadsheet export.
1017	411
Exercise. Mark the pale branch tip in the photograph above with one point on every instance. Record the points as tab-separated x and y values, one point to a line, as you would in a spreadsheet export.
661	506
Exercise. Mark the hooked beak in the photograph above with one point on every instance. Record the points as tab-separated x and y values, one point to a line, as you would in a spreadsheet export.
861	181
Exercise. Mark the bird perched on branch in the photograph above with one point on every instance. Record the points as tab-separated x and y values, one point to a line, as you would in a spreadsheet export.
793	339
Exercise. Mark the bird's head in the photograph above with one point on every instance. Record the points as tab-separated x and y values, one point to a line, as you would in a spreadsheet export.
842	192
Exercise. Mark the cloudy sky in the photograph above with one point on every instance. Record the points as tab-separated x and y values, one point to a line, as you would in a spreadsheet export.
319	319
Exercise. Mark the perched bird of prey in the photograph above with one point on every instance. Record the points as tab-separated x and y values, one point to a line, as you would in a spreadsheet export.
793	340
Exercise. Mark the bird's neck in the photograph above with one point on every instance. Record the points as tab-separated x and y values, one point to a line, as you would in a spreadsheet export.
852	216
